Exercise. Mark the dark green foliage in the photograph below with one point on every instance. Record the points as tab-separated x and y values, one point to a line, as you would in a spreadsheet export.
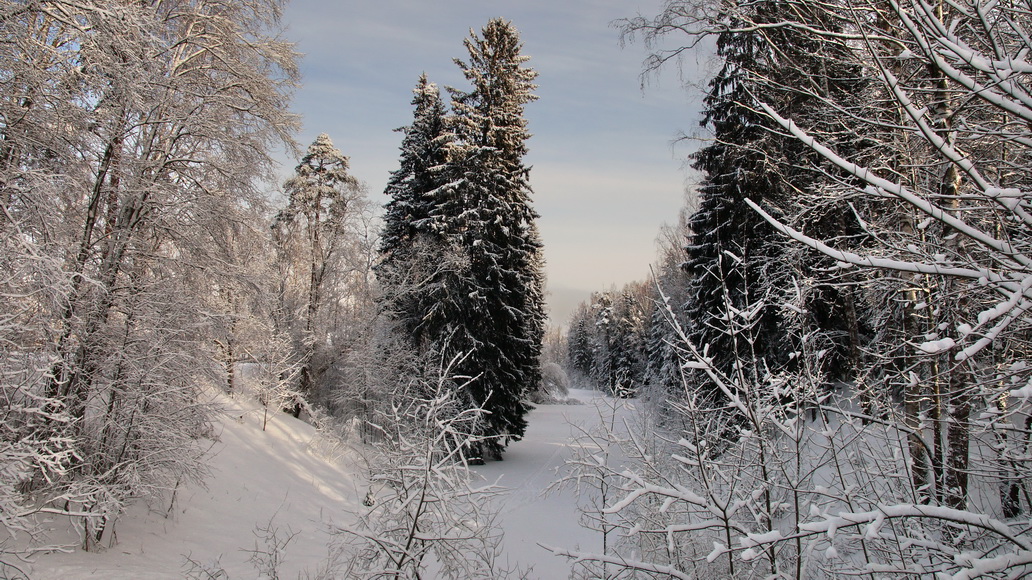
608	339
736	260
502	317
579	338
462	256
733	255
416	258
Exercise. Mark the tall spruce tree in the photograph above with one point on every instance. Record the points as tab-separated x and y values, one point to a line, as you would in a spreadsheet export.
488	210
461	254
736	260
415	240
732	248
424	152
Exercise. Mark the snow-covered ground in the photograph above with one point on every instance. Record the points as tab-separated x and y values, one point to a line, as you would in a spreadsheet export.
288	479
276	476
529	516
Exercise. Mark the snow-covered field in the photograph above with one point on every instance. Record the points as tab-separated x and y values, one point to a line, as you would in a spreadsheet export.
288	479
529	516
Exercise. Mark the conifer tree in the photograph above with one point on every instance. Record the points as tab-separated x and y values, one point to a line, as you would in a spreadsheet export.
731	246
579	338
461	262
310	232
602	344
487	210
662	375
414	239
735	259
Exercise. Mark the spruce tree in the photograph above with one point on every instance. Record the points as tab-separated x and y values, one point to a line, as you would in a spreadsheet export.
735	258
412	186
488	211
602	345
415	241
579	338
461	256
731	246
662	377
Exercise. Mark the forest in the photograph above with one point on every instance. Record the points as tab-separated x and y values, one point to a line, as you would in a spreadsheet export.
829	364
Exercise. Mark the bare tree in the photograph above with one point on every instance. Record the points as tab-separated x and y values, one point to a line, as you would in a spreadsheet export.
131	133
967	257
425	513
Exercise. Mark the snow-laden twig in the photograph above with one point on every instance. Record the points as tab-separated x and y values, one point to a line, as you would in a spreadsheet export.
1018	293
623	563
1003	247
423	508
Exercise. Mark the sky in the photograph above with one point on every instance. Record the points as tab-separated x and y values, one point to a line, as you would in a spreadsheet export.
607	167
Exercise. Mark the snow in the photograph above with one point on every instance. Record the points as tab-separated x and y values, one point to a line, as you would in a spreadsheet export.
937	346
288	478
1023	393
531	517
753	540
276	476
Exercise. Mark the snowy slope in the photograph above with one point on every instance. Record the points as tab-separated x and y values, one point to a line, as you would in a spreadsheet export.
281	476
258	477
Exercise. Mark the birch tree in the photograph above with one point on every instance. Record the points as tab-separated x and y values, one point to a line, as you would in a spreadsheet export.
130	134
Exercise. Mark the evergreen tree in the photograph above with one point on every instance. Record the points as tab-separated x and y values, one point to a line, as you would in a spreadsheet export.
415	239
579	338
630	313
487	211
731	245
461	256
421	172
602	345
737	262
662	375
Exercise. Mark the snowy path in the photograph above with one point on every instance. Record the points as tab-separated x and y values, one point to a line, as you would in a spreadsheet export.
527	515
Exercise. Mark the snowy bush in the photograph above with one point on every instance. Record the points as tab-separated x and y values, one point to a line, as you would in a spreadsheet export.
38	447
554	386
425	513
34	456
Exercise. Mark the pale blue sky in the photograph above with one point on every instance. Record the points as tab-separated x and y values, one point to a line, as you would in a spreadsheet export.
606	173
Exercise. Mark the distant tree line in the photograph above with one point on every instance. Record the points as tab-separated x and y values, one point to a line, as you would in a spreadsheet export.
619	340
